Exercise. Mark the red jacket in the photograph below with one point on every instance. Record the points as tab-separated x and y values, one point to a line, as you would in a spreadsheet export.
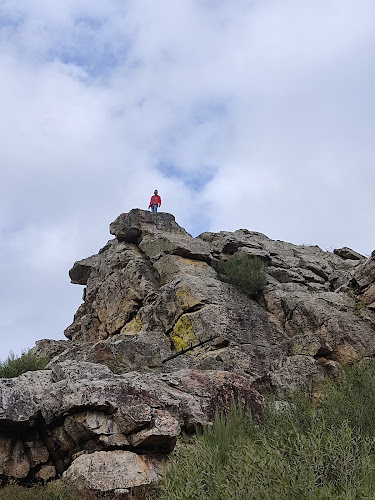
155	200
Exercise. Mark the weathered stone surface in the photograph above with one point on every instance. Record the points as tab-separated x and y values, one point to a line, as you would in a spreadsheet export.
114	471
122	353
20	398
364	276
368	297
86	327
37	452
295	371
93	270
278	253
82	384
14	461
45	473
162	436
226	242
48	348
327	315
120	285
169	266
348	253
121	295
310	345
157	245
81	271
197	308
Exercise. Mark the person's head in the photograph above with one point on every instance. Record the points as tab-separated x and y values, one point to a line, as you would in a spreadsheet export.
155	192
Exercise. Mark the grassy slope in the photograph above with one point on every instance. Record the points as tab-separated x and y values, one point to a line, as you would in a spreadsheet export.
305	451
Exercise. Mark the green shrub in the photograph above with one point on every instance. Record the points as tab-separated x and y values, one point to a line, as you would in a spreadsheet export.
304	451
14	366
246	272
352	398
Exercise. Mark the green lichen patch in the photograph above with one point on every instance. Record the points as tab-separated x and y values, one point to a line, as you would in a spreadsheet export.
183	335
134	326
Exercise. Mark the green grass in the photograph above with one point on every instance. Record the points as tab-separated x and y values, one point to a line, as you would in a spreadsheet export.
52	491
303	452
244	271
14	366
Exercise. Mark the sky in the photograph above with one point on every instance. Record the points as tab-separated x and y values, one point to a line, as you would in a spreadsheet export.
256	114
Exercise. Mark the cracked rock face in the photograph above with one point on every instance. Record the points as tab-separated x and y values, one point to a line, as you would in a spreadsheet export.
160	343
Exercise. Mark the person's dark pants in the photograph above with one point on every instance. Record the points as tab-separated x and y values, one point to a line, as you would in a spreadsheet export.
154	208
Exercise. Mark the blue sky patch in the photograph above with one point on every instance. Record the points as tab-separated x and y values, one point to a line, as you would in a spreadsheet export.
14	22
210	111
93	23
195	181
86	48
94	62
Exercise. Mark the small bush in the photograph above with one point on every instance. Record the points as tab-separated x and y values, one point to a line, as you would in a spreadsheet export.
352	398
14	366
246	272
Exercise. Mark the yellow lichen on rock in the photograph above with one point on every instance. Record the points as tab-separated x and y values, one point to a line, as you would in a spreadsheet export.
198	264
183	334
134	326
345	354
186	298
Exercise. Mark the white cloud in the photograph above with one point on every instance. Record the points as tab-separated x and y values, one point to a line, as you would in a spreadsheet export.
243	114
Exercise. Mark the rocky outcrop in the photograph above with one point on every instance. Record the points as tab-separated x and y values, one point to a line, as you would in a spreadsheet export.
49	348
156	280
51	419
160	343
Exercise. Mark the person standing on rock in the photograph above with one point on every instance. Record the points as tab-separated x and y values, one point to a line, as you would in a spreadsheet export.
155	201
